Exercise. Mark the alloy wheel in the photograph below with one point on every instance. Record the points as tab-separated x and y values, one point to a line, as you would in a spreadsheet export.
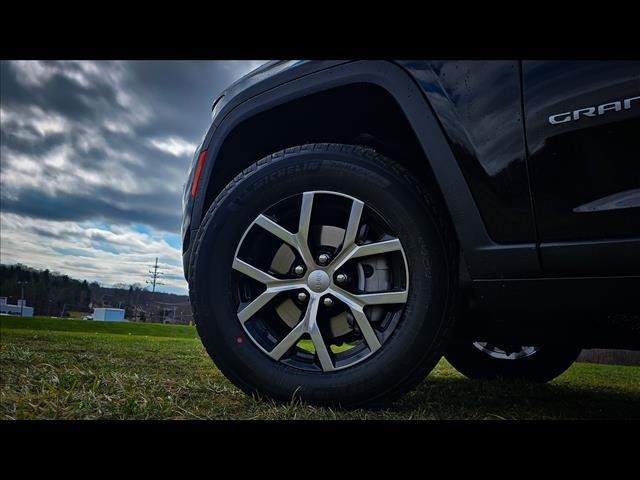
327	296
505	352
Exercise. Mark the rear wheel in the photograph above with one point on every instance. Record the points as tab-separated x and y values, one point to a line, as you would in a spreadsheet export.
489	360
324	272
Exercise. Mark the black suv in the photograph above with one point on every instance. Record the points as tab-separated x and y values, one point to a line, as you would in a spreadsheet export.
348	223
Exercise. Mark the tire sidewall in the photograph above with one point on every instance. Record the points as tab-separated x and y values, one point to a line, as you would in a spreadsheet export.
382	189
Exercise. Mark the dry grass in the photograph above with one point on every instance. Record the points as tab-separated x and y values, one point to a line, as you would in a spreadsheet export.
75	374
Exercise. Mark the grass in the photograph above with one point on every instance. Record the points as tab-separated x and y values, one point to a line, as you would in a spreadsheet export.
75	369
96	326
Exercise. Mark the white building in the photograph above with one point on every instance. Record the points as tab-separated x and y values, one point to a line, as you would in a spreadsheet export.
19	309
109	314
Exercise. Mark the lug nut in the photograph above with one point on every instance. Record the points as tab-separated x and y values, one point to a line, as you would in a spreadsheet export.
298	270
327	302
323	258
341	278
302	296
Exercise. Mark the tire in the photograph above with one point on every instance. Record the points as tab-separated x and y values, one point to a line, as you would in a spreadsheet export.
420	332
538	364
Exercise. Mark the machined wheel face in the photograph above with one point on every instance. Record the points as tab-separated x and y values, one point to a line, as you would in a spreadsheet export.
320	281
505	352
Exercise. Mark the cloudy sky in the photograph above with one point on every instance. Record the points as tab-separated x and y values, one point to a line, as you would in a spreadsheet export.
93	157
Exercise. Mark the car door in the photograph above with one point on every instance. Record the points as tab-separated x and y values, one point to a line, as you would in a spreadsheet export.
582	123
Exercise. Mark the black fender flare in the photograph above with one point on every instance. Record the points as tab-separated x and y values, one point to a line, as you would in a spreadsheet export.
483	257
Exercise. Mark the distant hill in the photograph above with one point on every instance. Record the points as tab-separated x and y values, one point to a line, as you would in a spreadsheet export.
55	294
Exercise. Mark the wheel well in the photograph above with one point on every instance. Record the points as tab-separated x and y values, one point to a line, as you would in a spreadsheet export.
359	113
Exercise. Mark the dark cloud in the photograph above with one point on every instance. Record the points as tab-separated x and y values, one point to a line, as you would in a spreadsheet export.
110	140
101	143
145	209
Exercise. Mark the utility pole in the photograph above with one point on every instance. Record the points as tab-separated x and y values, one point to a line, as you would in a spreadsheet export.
22	284
154	275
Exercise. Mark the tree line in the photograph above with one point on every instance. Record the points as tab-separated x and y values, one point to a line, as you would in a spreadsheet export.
55	294
48	293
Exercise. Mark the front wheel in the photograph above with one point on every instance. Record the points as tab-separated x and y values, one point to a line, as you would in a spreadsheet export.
485	360
324	272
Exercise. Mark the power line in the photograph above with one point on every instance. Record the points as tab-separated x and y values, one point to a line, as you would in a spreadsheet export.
154	275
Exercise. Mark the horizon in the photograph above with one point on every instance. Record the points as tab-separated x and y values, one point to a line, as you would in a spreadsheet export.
94	155
120	286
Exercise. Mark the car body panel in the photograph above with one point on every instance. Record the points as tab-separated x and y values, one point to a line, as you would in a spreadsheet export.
478	105
476	146
578	162
585	169
267	76
484	257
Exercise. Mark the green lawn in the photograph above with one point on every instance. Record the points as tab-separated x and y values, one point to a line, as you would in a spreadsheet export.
95	326
76	369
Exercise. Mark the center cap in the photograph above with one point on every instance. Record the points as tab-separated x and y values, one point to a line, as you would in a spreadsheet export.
318	281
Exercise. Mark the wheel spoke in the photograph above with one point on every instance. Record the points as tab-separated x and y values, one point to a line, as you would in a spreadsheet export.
367	330
357	310
302	237
321	348
275	229
253	272
357	251
274	287
270	281
298	241
287	342
377	248
311	327
354	300
305	215
354	222
248	311
307	325
265	297
383	298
